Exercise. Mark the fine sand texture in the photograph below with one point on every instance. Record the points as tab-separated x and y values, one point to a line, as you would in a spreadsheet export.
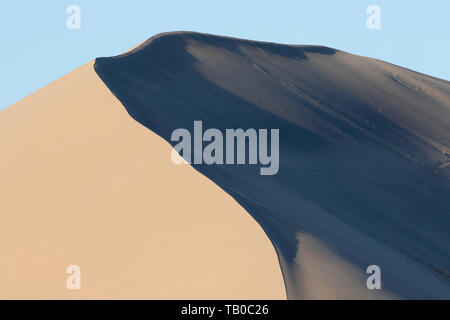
364	173
82	183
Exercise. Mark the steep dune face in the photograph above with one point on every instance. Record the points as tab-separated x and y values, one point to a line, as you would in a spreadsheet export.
82	183
364	154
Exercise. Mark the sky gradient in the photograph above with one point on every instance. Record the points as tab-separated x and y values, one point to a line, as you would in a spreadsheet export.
38	48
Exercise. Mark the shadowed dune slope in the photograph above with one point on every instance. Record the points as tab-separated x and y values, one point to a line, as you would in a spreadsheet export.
364	153
82	183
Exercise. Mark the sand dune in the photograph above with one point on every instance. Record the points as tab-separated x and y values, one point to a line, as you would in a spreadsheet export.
364	153
82	183
364	177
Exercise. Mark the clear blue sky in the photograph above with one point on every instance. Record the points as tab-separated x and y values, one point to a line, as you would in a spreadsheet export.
37	48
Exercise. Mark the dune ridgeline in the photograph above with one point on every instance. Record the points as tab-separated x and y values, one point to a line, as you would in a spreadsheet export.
363	177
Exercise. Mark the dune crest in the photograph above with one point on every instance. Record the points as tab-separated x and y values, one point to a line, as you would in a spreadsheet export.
363	177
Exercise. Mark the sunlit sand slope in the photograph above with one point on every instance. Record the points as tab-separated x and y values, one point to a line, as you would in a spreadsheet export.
82	183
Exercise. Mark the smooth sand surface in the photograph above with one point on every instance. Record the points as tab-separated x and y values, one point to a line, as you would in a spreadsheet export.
364	152
82	183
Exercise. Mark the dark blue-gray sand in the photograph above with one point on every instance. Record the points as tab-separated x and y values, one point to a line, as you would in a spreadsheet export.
364	162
